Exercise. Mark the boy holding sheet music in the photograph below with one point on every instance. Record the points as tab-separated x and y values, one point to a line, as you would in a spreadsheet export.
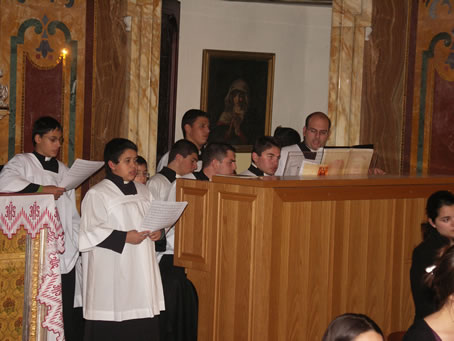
41	172
179	321
122	291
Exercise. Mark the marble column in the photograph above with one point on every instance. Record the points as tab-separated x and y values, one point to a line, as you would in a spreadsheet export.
144	21
351	22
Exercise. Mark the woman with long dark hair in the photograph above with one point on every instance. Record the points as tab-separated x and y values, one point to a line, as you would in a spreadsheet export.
439	325
438	232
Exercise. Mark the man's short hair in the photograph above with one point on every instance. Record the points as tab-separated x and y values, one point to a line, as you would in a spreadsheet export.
43	125
287	136
114	148
190	116
263	143
216	151
318	114
141	161
182	147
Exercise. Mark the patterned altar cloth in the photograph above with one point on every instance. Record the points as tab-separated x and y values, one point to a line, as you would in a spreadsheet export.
34	213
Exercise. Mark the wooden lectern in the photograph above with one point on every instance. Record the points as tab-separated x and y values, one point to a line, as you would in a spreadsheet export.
279	259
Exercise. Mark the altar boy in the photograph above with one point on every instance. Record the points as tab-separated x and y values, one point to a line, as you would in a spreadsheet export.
40	172
122	292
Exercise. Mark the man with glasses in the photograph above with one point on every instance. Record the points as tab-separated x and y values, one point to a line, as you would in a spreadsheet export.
316	133
40	172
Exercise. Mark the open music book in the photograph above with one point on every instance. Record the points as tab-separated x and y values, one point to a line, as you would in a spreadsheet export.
335	161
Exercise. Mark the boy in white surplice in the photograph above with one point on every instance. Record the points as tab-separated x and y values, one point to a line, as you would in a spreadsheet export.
122	291
40	172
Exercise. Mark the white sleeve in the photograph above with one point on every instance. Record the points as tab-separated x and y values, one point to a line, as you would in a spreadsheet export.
163	162
282	161
94	226
154	186
12	176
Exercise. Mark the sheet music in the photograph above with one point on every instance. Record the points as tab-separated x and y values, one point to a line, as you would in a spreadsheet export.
79	172
162	214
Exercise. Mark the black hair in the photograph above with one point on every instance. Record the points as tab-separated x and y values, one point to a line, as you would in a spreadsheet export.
318	114
263	143
436	201
190	116
43	125
182	147
216	151
348	326
141	161
287	136
441	279
114	148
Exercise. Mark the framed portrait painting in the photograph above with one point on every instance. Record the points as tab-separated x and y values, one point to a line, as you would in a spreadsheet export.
237	92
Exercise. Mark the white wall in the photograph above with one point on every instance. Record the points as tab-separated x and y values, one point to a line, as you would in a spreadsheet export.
299	35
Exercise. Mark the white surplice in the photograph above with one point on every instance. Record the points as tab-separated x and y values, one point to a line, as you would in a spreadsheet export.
124	286
162	189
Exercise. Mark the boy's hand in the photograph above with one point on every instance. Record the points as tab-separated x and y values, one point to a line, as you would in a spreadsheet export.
56	191
156	235
135	237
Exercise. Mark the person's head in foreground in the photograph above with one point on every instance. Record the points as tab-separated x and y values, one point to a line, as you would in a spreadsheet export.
120	156
353	327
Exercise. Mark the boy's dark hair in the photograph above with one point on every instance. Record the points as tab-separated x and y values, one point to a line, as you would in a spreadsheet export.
318	114
43	125
287	136
348	326
114	148
190	116
436	201
182	147
216	151
141	161
263	143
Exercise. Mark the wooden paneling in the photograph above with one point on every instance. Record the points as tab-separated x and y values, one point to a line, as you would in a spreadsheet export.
283	264
194	240
235	229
